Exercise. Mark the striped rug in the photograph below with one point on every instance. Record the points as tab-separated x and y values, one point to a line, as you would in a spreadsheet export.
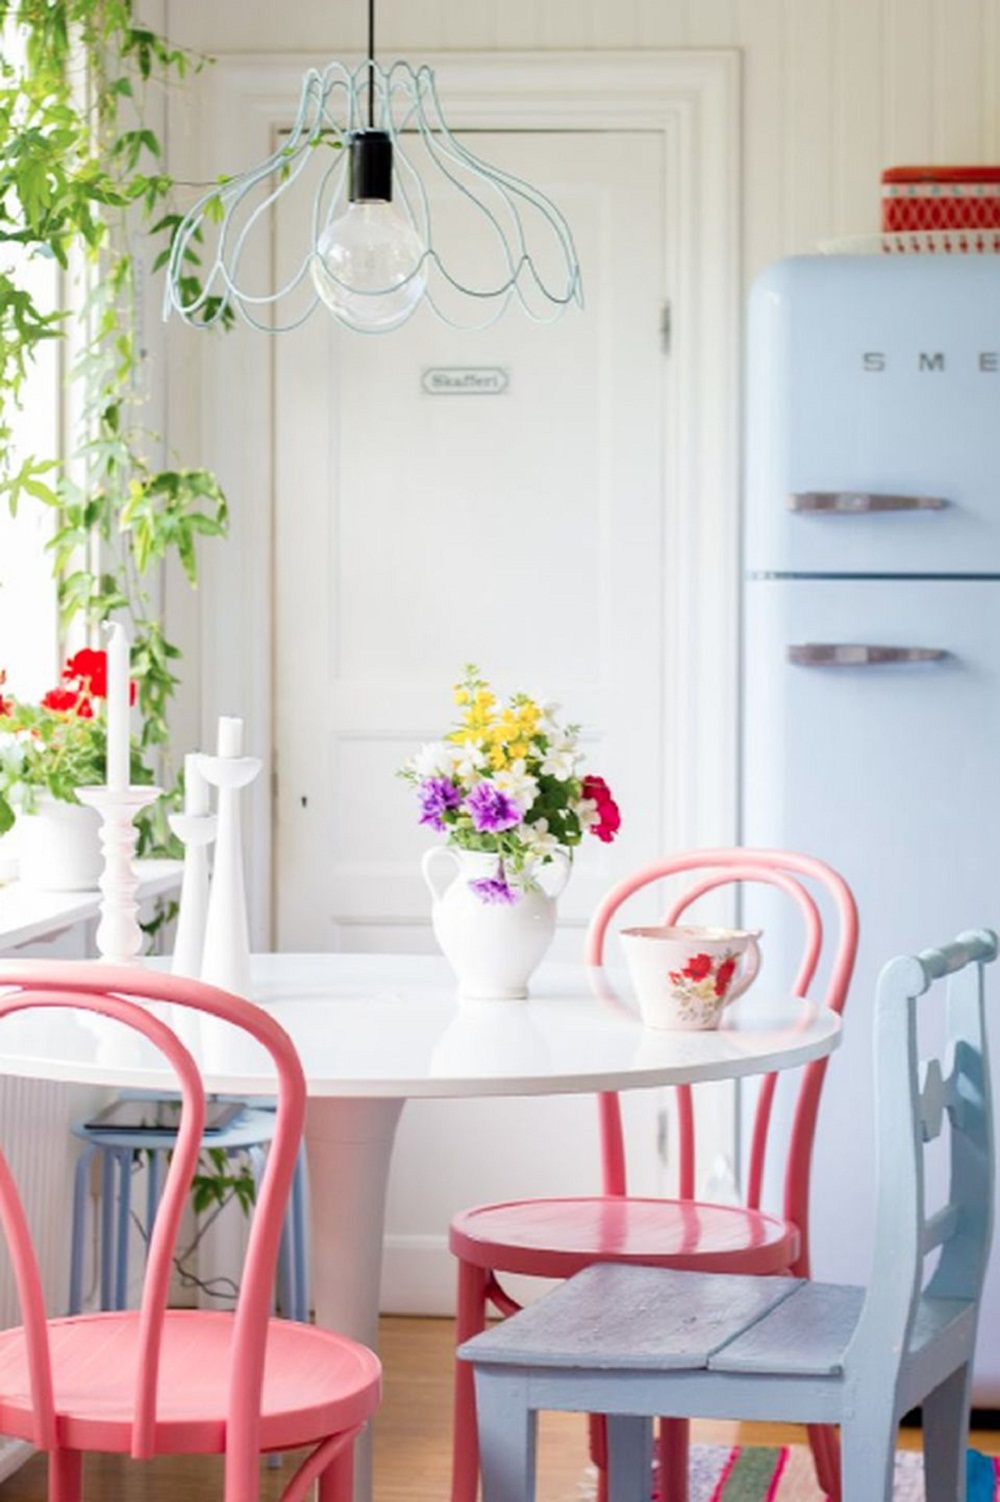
752	1473
755	1473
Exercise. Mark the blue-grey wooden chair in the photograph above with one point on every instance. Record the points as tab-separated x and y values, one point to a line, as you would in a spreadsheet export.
636	1342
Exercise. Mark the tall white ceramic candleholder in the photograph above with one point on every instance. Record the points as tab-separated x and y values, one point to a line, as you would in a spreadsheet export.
195	828
119	937
226	957
196	832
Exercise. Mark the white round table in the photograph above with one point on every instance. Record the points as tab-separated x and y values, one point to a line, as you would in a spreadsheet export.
375	1030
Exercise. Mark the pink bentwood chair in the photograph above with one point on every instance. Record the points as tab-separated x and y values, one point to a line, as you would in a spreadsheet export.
555	1238
158	1381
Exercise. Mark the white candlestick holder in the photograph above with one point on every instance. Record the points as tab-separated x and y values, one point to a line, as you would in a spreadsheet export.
119	937
196	832
226	956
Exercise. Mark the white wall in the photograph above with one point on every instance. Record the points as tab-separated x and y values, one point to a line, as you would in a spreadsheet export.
834	90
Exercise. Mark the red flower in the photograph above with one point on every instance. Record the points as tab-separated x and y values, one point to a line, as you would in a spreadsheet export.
609	819
5	706
68	701
88	669
723	976
698	966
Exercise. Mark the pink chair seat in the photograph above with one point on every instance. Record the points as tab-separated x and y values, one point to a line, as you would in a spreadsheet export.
556	1238
314	1383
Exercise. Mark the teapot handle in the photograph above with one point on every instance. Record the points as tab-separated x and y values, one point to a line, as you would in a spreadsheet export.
437	877
554	875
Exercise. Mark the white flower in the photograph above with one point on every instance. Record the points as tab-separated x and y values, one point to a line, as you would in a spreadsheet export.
539	840
586	812
517	782
561	759
548	712
466	761
434	759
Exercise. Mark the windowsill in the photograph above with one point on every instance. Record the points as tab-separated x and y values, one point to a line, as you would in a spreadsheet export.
27	915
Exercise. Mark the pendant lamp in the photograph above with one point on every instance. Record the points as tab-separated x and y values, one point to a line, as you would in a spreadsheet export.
394	211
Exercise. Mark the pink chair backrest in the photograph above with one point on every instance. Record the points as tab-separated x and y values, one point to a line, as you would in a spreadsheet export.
119	992
718	868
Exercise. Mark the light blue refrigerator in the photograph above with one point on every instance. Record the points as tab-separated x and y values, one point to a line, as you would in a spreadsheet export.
871	647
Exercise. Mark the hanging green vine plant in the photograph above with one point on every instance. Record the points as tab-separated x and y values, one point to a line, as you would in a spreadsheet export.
82	181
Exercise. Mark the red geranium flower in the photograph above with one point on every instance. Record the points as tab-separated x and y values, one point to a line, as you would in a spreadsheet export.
723	976
88	669
68	701
609	819
698	966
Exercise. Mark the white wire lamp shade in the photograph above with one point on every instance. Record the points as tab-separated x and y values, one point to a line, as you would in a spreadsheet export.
380	186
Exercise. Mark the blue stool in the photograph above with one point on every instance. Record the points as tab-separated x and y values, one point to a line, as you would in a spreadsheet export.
249	1133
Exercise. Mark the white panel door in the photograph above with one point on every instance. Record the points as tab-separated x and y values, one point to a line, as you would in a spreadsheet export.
521	531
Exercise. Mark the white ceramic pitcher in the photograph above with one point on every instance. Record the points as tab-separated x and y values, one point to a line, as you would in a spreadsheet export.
493	948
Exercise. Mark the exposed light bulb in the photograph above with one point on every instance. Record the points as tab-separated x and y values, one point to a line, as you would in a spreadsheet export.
368	266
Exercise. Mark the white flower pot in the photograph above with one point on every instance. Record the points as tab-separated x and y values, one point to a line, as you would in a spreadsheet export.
59	848
493	948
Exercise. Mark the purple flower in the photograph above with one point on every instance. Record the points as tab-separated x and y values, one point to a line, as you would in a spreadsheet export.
491	809
494	889
437	795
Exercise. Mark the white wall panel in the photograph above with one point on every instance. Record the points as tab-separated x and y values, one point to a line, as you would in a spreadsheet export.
958	79
715	23
659	24
908	81
858	147
517	25
989	64
808	118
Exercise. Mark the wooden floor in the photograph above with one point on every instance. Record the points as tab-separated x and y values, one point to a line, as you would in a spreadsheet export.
411	1440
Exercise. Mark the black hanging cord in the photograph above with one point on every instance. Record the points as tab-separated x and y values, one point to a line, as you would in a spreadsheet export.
371	64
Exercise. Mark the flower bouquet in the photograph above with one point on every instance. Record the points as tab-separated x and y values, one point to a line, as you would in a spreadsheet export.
505	782
59	744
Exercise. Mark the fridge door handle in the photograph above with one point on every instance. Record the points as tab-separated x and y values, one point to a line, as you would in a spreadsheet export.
856	655
859	502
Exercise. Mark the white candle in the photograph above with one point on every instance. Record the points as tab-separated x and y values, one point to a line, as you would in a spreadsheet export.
196	789
117	765
230	741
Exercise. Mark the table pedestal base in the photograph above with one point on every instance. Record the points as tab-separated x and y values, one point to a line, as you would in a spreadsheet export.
349	1147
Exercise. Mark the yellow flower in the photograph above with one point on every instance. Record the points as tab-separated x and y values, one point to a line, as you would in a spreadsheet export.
518	748
484	699
461	696
498	758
